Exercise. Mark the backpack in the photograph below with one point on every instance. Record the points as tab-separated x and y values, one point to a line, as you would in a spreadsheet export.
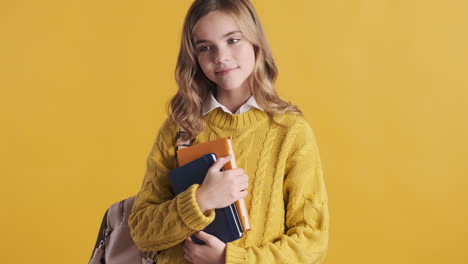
114	244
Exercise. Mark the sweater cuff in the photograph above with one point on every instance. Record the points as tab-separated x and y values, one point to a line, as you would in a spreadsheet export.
190	212
235	254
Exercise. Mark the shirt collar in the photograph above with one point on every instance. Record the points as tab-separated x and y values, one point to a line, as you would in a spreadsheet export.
212	104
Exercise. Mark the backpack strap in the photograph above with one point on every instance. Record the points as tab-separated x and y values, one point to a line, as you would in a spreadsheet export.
115	214
184	144
102	236
119	212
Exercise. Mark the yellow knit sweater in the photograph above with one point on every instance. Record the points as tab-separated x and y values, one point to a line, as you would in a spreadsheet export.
287	199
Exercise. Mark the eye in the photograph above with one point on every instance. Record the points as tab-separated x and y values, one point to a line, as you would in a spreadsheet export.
233	40
204	48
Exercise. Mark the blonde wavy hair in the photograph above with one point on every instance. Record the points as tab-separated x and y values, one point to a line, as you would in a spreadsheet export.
185	108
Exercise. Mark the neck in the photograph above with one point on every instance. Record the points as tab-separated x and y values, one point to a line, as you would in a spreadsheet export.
233	100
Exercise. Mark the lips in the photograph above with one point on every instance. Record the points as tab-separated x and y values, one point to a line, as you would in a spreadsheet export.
225	70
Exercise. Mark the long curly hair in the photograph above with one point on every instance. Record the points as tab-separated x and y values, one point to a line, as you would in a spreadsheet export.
185	108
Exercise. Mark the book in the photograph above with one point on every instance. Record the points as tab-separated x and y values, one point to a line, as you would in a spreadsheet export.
220	147
226	226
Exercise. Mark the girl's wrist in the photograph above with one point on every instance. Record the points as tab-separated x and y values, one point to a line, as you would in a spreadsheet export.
201	201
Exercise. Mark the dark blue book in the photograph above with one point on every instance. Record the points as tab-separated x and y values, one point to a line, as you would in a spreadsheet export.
226	226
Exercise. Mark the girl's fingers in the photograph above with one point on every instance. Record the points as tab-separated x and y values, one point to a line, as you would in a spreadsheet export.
220	163
237	171
244	193
234	172
243	186
187	257
188	244
187	249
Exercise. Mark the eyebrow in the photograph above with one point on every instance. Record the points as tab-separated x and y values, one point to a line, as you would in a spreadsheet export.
225	35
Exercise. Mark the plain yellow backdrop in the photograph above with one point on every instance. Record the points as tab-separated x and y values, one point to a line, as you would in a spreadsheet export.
85	84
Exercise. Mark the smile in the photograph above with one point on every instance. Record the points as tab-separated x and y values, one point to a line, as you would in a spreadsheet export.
226	71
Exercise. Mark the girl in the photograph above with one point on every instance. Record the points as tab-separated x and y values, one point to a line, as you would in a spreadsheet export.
225	73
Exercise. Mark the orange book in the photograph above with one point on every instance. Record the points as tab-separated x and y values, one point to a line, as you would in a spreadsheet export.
221	147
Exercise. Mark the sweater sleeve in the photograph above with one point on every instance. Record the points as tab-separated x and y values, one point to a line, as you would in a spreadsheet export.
305	239
159	220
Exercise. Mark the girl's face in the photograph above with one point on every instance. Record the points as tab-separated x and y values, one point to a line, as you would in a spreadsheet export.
226	57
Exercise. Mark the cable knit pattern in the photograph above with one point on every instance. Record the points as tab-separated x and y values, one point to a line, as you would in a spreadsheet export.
258	185
273	208
284	171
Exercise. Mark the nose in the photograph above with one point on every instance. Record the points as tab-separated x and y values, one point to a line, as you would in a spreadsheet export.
222	55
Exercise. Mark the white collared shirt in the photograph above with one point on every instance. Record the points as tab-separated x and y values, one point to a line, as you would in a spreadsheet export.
212	104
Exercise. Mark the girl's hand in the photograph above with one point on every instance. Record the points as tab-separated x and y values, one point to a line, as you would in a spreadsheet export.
211	252
222	188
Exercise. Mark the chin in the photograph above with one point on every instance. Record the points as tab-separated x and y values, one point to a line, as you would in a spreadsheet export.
230	86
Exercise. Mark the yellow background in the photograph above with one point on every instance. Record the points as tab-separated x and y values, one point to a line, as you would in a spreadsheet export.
85	84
